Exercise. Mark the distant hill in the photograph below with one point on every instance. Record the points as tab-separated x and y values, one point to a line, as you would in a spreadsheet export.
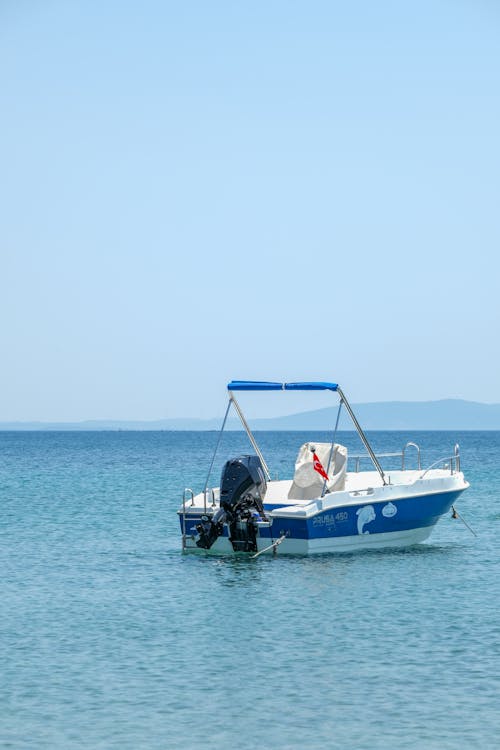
447	414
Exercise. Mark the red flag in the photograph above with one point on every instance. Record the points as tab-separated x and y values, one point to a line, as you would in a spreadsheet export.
318	466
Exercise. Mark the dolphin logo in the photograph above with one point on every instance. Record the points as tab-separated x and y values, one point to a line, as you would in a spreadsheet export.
365	515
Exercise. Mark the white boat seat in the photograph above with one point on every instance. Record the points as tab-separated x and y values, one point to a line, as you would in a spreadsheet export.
307	482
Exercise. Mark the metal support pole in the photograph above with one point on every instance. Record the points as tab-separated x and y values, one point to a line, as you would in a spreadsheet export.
362	435
215	451
249	433
323	492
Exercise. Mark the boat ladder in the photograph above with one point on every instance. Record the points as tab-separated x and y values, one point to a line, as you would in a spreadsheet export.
188	492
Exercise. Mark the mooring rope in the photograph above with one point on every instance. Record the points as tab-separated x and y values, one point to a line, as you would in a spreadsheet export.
456	514
271	546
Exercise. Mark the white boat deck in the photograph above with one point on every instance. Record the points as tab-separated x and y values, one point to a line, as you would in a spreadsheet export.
277	491
361	484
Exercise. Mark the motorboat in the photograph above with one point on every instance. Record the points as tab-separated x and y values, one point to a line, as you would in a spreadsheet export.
324	507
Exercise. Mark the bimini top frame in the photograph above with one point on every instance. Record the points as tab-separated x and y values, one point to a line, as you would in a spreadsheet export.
257	385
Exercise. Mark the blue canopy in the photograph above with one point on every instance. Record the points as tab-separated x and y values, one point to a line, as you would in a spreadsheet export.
256	385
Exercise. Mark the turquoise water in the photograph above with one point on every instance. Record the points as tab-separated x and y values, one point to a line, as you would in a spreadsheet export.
111	638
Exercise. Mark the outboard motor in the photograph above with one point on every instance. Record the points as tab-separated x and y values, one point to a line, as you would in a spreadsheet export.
242	489
210	529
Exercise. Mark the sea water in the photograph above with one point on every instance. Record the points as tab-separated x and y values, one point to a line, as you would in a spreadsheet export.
111	638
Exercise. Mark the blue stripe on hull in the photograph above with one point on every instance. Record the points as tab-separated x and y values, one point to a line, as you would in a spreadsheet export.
369	518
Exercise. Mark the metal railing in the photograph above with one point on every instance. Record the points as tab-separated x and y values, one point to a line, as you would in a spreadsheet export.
397	454
209	494
187	491
450	462
403	454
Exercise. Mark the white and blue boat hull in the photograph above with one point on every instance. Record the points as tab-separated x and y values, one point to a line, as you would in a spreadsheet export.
323	508
383	517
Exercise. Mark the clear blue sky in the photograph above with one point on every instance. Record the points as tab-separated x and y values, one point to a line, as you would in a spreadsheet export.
198	191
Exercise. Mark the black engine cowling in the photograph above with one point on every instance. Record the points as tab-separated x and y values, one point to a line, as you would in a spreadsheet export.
242	481
242	489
